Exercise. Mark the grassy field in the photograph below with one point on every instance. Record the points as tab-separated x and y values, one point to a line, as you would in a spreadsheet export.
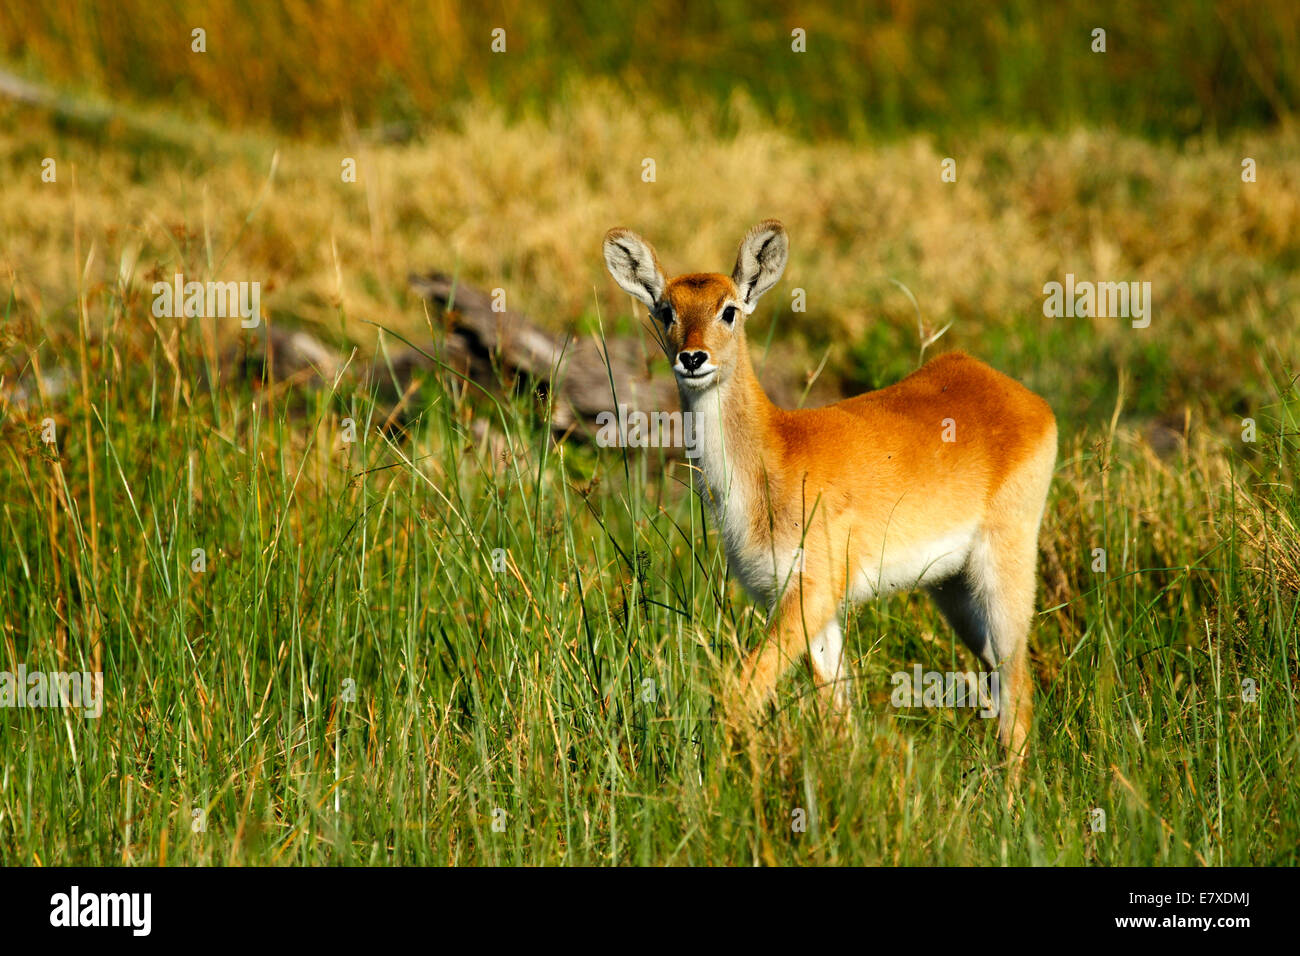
349	681
865	69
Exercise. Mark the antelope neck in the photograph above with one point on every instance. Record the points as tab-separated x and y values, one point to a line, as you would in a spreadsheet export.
733	425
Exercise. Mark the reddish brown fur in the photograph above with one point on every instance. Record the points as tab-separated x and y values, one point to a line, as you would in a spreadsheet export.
866	486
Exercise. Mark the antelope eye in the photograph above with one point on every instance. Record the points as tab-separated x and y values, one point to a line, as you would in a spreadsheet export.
664	315
729	314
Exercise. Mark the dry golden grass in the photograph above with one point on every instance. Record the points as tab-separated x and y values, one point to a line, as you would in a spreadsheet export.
304	65
523	205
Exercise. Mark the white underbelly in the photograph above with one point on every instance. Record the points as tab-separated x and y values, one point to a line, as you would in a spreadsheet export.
765	574
905	568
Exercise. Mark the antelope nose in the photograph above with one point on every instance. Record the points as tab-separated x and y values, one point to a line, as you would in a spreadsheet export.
692	360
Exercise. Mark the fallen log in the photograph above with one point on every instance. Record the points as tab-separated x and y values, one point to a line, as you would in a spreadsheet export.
505	352
583	375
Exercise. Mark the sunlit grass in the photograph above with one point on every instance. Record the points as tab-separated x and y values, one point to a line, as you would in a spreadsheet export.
864	70
351	681
522	207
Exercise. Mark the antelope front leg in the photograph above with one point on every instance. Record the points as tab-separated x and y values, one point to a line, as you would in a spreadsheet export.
803	613
827	658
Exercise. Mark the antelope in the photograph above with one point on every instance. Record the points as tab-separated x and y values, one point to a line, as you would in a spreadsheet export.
937	482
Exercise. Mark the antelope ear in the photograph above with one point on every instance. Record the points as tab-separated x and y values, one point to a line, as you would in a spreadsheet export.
760	261
634	266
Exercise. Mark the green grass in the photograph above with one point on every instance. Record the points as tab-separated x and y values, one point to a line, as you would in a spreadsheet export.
350	682
526	690
868	70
